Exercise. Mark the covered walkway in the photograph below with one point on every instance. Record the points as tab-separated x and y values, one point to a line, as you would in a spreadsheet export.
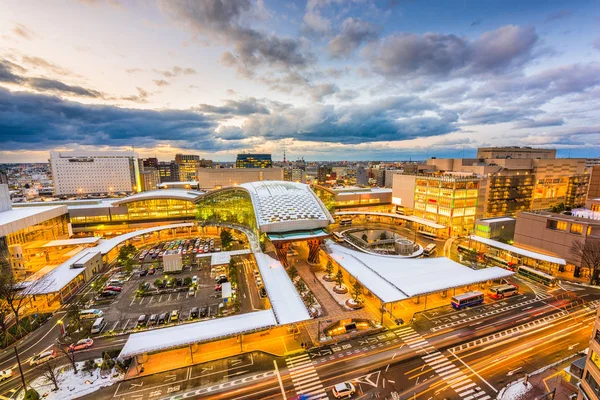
421	225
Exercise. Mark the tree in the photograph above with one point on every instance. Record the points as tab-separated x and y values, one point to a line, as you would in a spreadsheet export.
364	237
89	366
70	354
383	236
310	300
357	291
293	272
73	315
12	292
300	286
125	256
329	268
588	252
226	238
51	373
32	394
158	282
339	278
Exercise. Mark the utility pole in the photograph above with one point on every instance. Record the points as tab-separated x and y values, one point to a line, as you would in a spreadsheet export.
20	370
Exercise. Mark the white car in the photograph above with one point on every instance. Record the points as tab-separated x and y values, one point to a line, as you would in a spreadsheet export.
7	373
344	389
42	357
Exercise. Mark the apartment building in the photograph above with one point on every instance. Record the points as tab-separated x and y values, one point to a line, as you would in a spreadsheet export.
253	161
589	387
168	171
80	173
187	164
594	185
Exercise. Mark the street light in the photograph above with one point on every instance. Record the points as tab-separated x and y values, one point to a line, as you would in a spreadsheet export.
62	326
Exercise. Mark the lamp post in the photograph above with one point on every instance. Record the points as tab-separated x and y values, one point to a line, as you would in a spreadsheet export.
62	326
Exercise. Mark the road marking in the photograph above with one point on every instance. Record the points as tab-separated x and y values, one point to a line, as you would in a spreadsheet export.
279	379
510	373
473	371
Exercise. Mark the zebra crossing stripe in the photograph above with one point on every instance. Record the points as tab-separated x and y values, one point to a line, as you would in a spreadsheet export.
304	376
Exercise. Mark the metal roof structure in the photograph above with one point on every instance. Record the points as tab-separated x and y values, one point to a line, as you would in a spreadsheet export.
20	218
410	218
393	279
282	206
518	250
178	194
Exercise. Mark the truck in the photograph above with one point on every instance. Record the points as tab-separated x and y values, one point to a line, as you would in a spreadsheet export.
172	261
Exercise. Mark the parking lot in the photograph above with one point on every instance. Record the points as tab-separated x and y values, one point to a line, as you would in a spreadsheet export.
175	292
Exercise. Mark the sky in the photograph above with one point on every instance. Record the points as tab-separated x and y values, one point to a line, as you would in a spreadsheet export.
320	79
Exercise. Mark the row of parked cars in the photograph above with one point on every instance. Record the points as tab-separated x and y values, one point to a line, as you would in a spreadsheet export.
188	246
147	320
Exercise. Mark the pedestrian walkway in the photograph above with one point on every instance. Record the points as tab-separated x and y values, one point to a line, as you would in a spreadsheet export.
441	365
305	378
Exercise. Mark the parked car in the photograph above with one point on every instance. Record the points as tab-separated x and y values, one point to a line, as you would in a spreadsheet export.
170	283
152	320
143	272
146	286
203	311
191	291
222	280
151	271
115	282
108	293
194	312
220	276
259	282
42	357
262	292
179	282
194	280
114	288
163	318
344	389
82	344
142	319
218	288
174	316
7	373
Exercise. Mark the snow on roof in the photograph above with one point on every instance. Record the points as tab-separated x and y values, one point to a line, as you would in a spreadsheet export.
411	218
55	280
179	194
286	206
363	191
518	250
287	304
16	219
72	242
224	257
499	219
393	279
186	334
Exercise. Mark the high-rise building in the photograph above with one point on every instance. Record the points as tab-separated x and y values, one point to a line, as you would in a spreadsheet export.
168	171
324	173
149	179
78	173
187	164
149	162
292	174
589	387
594	185
253	161
361	176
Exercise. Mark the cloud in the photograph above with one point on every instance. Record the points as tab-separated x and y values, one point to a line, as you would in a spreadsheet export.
354	33
51	85
6	72
176	71
596	43
319	91
496	115
236	107
44	64
438	55
476	22
160	82
41	122
562	14
539	123
23	32
141	97
347	95
133	70
223	20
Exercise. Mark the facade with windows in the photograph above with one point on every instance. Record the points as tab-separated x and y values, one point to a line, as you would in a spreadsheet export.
187	164
253	161
589	388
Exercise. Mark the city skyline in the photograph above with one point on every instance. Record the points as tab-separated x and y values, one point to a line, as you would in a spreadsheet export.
320	79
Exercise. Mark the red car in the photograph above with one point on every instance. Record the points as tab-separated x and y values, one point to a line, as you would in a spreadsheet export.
151	271
113	288
218	288
82	344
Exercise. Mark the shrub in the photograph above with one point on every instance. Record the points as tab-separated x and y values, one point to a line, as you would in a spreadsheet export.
31	394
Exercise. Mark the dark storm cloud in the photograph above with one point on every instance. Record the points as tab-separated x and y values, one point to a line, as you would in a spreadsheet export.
354	33
236	107
40	122
6	72
51	85
223	20
434	54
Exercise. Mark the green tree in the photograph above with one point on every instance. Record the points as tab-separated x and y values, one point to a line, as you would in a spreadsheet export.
300	286
158	282
339	278
125	257
383	236
293	272
226	238
187	281
357	291
89	366
364	237
329	268
310	300
32	394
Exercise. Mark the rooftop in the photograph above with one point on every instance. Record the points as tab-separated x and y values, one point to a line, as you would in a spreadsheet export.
520	251
20	218
394	279
179	194
411	218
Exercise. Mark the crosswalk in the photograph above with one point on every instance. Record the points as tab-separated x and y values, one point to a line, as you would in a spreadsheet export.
441	365
304	376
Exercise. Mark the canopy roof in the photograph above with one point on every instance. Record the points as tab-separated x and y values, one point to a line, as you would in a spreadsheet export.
178	194
410	218
518	250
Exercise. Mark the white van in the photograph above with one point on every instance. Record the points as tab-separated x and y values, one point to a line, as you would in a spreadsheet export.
98	326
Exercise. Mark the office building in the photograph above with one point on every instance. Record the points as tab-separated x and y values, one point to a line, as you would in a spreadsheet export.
187	164
324	173
80	173
594	185
361	176
3	178
253	161
499	228
292	174
589	387
215	178
515	152
148	163
149	179
168	171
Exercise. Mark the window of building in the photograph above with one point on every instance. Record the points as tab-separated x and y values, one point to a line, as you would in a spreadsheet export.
595	359
597	335
592	382
577	229
557	225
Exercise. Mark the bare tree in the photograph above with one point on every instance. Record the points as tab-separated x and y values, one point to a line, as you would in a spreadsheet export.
70	354
51	373
11	292
588	252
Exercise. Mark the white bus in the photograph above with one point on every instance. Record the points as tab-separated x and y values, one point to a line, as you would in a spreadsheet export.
537	276
427	251
338	237
502	291
345	221
99	324
90	314
467	300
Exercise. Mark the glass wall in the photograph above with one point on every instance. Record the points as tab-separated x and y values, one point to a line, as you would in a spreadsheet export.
52	229
326	197
160	209
232	205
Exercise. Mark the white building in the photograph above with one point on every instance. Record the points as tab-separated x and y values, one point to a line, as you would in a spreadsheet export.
77	173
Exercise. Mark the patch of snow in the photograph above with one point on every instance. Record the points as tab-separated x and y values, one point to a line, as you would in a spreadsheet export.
516	391
72	386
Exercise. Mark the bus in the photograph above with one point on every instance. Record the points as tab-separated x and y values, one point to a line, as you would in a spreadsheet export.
499	261
427	251
465	249
338	237
345	221
98	326
90	314
502	291
467	300
428	234
537	276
